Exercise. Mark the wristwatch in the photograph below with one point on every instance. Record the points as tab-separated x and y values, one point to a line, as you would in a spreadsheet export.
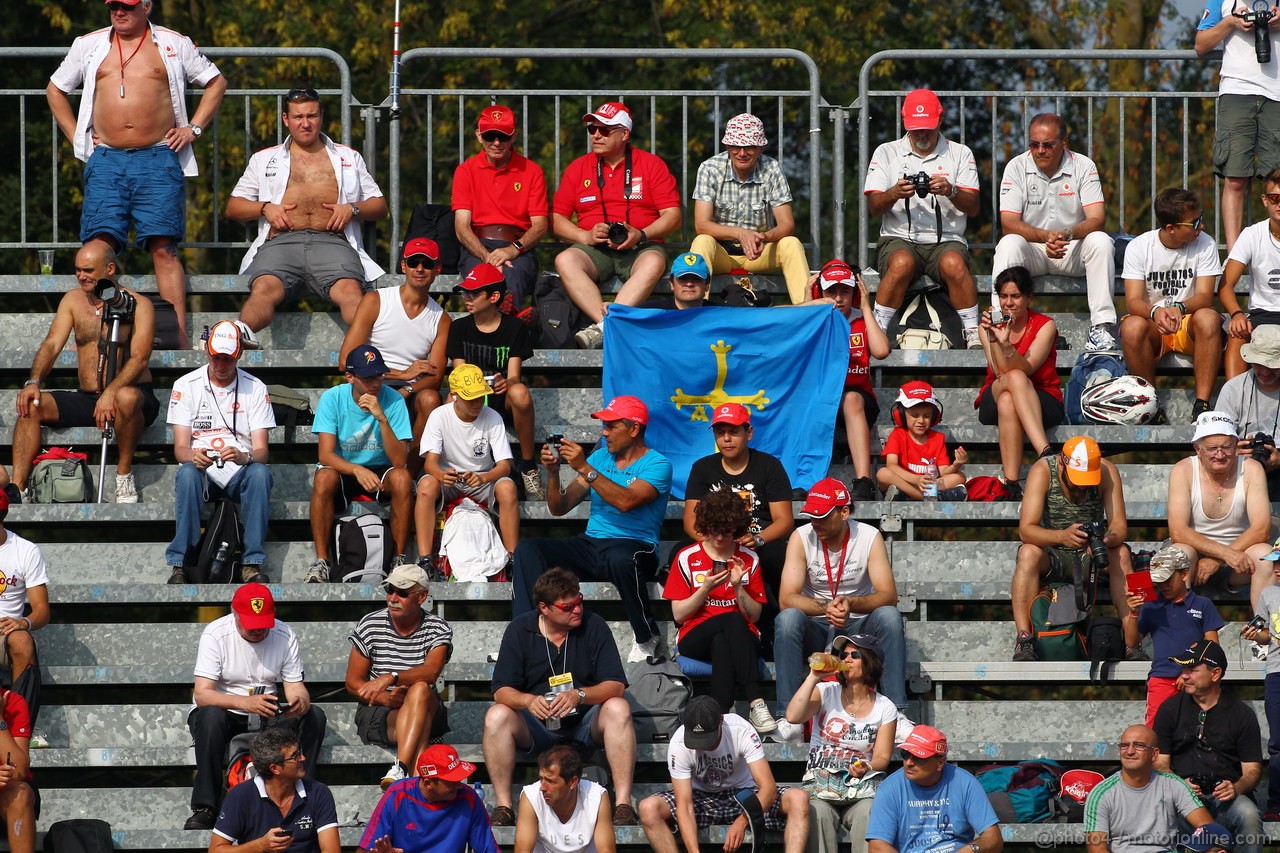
518	246
975	848
355	211
196	129
591	476
582	694
759	541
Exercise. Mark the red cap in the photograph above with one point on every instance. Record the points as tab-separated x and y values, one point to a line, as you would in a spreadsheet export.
441	761
925	742
481	276
731	413
921	110
125	2
917	392
611	114
1077	784
4	501
835	272
255	607
497	117
826	495
421	246
625	408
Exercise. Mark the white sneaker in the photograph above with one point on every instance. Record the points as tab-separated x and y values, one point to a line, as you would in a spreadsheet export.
592	337
532	482
126	489
788	732
39	740
971	339
761	718
641	652
393	775
1101	338
317	572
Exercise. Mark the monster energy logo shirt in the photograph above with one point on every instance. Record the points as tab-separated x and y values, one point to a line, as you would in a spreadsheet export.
489	351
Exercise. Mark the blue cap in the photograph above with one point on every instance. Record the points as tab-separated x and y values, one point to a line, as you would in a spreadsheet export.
691	264
365	362
1209	837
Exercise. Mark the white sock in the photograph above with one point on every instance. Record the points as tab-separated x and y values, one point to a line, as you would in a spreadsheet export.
884	316
968	317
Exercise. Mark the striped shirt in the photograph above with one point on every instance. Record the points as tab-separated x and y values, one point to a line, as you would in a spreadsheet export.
376	639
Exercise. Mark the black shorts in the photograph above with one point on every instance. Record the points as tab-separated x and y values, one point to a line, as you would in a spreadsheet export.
350	489
1052	412
75	408
871	408
371	724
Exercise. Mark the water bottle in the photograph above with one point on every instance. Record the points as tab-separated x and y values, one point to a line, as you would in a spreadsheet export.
479	791
930	490
220	559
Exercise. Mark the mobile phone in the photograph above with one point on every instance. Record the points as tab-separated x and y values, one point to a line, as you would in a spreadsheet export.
719	566
285	832
553	442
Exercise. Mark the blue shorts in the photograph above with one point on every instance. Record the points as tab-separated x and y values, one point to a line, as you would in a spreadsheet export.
567	733
142	184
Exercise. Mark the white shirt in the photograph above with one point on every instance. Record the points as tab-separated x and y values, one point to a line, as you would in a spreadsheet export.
1240	73
237	665
220	417
267	176
475	446
837	738
400	339
849	578
1170	273
950	160
21	567
1051	202
575	835
1260	252
183	63
723	768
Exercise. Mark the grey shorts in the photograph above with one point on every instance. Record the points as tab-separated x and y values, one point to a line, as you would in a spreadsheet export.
927	255
609	263
371	724
1246	140
313	259
483	495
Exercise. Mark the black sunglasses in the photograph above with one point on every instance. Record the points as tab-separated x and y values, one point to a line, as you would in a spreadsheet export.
302	95
414	261
496	136
602	130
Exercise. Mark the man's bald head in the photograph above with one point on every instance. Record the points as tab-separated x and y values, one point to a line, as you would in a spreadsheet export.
1143	734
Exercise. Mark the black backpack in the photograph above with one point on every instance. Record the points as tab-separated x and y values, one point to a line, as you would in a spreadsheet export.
927	321
221	546
435	222
1105	641
558	318
81	835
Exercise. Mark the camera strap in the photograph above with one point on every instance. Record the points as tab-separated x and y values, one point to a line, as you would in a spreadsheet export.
937	215
1249	409
626	184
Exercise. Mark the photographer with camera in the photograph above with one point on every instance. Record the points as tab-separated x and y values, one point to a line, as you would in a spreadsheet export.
1252	400
124	401
1218	509
1072	524
1213	740
920	235
614	206
1244	143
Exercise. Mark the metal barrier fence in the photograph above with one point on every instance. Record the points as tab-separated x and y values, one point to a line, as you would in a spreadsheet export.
1172	138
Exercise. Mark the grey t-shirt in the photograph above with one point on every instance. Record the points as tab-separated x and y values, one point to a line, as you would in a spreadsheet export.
1140	820
1269	609
1253	409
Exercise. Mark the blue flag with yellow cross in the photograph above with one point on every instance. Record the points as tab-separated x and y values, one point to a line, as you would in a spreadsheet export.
786	365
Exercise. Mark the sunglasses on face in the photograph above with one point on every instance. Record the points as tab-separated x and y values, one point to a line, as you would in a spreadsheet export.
395	590
1043	146
1271	198
568	606
853	654
496	136
122	7
599	130
302	95
415	261
1197	223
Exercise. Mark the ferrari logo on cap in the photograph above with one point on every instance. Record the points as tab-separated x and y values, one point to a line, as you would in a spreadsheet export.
691	259
257	604
496	115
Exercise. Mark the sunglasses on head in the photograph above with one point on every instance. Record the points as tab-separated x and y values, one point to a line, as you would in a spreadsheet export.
568	606
496	136
300	94
415	261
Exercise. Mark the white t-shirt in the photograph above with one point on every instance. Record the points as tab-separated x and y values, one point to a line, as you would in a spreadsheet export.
1260	252
839	738
849	578
1170	273
1240	73
475	446
238	665
723	768
21	567
1051	202
951	160
578	833
402	340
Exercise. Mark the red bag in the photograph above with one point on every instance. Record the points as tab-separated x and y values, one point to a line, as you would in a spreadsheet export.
987	489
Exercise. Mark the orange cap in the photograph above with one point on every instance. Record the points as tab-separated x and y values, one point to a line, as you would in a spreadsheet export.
1084	461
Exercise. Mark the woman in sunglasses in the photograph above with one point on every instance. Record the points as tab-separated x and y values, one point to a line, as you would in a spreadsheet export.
851	741
716	593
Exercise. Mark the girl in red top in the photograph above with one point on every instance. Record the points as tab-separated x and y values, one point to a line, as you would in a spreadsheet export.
716	594
1022	395
844	286
914	443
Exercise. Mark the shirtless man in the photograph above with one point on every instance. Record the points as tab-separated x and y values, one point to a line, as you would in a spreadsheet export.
127	401
307	195
132	130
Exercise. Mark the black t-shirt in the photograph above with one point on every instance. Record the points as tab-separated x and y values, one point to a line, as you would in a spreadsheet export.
1231	736
664	303
527	659
762	482
489	351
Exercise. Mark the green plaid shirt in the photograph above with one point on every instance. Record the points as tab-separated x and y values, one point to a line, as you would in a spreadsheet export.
742	204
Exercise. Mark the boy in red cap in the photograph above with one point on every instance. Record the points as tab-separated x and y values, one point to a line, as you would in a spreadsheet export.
914	443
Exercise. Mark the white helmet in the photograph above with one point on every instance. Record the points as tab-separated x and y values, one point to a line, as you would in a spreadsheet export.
1128	400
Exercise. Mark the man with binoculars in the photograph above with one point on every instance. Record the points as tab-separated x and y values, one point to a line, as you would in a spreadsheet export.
121	398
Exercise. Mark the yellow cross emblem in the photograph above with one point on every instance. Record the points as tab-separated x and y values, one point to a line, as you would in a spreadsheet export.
717	395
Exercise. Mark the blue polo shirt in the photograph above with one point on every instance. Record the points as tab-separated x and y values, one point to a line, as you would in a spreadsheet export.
1174	627
643	522
248	814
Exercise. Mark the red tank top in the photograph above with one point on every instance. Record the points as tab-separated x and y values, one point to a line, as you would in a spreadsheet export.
1045	378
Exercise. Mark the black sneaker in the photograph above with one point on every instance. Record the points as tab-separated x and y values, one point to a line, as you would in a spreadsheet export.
1013	490
177	575
1134	653
253	573
862	489
1024	648
1198	408
13	493
202	817
1162	417
1047	452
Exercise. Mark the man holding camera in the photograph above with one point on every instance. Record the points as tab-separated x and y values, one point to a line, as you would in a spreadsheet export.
124	401
1072	525
1244	142
219	454
917	236
1252	400
622	201
241	657
1213	740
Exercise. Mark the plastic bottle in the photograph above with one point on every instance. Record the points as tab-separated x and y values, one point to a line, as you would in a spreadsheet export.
479	791
930	490
827	662
220	558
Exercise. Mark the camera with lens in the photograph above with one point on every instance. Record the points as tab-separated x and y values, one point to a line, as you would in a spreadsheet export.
1096	530
618	233
1257	623
1260	444
1206	784
921	182
119	301
1260	17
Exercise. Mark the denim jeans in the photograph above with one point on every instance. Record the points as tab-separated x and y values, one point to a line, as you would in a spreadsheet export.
797	635
250	487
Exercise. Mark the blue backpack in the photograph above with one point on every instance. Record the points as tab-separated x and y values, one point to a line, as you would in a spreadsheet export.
1022	793
1091	368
